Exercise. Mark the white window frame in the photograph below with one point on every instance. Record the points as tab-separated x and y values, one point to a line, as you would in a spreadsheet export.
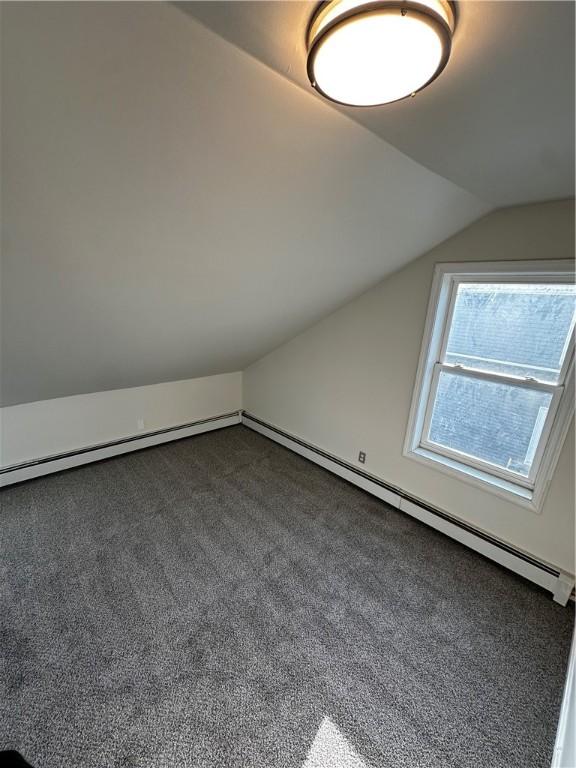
527	491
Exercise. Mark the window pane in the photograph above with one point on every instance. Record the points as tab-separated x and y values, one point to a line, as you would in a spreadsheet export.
518	329
494	422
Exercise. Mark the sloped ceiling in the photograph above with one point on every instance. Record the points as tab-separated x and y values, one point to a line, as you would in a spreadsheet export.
173	208
499	122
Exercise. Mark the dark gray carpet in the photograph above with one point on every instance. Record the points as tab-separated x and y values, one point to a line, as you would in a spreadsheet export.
213	602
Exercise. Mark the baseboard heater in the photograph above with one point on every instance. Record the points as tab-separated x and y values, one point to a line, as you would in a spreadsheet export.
560	584
27	470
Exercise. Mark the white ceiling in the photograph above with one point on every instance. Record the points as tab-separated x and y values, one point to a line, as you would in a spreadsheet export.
499	122
172	207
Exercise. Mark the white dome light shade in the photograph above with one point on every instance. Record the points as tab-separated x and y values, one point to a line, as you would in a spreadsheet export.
376	53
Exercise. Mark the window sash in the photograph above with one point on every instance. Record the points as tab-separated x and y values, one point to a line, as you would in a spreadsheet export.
473	461
483	475
455	282
440	365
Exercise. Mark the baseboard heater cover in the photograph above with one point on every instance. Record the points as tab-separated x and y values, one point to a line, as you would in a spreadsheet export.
45	465
559	583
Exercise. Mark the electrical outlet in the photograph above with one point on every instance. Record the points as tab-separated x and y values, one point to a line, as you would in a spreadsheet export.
362	457
141	424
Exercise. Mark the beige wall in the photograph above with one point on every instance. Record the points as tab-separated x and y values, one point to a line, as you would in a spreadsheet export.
346	383
46	427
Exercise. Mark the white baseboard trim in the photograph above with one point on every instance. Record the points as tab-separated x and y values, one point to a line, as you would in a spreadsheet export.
565	746
58	462
550	578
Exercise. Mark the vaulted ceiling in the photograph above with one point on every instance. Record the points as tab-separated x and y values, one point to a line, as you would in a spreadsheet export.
174	207
499	122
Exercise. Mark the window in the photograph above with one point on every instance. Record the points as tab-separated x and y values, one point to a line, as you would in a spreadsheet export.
494	388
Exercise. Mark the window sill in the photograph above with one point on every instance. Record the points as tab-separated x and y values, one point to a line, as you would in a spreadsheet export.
503	488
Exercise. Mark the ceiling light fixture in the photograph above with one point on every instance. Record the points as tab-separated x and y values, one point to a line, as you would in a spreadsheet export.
364	54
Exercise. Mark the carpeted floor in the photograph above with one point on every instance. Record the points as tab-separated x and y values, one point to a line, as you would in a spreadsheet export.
220	601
